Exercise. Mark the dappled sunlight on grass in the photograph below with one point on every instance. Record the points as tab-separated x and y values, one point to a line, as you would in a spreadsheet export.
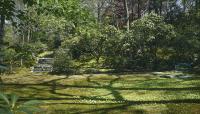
107	93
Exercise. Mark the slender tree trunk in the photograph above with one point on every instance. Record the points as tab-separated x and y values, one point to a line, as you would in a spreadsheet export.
155	62
161	5
197	5
28	37
11	67
149	6
155	6
2	24
139	10
100	5
127	14
99	11
21	62
1	81
132	10
97	60
23	42
184	5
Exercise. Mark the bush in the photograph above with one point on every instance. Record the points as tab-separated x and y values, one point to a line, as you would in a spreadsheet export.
25	54
62	62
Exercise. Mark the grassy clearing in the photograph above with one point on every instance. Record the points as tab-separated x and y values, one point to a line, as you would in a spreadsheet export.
136	93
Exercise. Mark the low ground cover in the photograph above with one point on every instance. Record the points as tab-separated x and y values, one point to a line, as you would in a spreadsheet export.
139	93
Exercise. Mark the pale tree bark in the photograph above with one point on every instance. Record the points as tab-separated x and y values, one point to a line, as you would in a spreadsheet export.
23	43
28	36
184	5
127	15
100	6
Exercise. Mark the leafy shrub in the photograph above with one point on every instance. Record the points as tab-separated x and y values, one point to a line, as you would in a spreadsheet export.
9	105
62	62
10	56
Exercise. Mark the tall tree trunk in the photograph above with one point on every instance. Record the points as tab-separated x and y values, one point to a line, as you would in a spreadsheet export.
184	5
2	24
161	5
149	6
127	14
155	6
99	11
197	5
139	9
132	10
23	42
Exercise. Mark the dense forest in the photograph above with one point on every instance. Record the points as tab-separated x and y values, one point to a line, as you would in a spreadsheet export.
137	35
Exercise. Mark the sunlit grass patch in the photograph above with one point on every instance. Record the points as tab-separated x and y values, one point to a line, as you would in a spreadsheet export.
108	93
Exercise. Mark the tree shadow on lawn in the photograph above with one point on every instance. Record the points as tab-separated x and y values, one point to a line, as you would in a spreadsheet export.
125	106
121	106
127	103
57	86
114	91
108	87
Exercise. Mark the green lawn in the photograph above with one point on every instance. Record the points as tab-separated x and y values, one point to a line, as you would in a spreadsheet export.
135	93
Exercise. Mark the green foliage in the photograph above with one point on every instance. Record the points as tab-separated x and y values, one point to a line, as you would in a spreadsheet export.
10	57
148	35
55	28
26	53
62	61
7	8
9	105
141	47
71	10
187	41
94	35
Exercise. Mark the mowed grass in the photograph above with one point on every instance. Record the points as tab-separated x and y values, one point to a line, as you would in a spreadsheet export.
135	93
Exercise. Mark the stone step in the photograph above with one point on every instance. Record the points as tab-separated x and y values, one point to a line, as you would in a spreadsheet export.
42	68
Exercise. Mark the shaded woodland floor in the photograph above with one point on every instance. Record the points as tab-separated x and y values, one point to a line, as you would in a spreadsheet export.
135	93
